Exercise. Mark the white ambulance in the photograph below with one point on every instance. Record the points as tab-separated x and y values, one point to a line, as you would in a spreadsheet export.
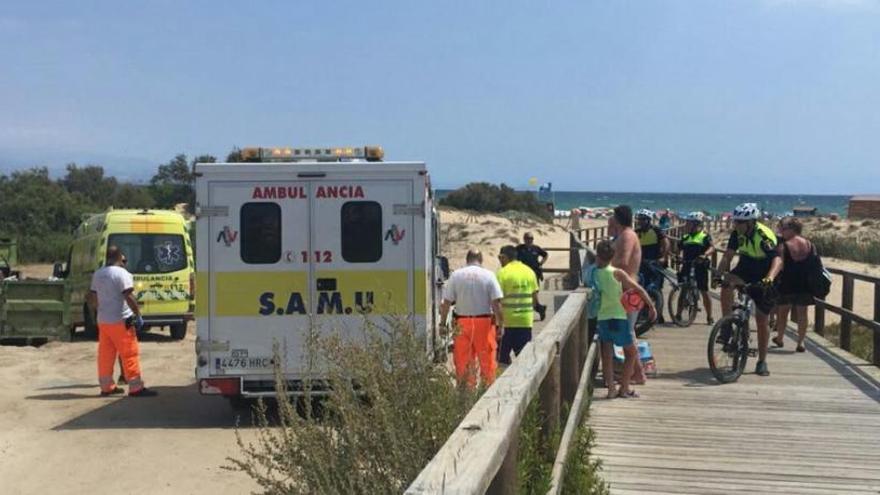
300	241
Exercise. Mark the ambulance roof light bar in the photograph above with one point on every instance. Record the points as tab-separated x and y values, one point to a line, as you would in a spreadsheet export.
337	154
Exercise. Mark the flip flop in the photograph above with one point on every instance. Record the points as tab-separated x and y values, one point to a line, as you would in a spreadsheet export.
632	394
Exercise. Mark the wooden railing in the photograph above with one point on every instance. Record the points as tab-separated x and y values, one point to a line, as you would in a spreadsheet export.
575	252
481	454
847	316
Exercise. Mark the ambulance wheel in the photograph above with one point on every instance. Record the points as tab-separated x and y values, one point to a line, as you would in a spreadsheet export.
178	331
90	326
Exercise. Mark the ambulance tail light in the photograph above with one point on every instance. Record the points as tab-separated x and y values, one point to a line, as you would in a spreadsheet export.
220	386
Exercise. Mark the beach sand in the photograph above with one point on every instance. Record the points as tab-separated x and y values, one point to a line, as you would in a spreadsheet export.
462	230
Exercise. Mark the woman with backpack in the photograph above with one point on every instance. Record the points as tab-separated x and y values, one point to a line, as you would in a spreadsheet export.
795	294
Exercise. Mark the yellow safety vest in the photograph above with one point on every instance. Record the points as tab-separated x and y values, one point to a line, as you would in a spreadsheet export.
752	247
648	237
697	238
518	283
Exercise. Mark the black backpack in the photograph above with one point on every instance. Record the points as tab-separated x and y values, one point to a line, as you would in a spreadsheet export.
818	277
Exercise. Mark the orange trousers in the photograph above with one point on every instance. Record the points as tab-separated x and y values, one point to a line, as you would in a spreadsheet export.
475	340
113	339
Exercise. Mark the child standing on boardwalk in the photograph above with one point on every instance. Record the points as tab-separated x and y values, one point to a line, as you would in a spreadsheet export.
613	326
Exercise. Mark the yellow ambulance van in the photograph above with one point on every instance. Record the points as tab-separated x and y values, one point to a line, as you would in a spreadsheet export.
159	256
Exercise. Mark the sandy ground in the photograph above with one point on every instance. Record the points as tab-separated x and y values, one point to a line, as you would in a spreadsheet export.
462	230
58	436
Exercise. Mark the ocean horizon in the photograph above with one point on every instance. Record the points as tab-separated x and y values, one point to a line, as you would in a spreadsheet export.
776	204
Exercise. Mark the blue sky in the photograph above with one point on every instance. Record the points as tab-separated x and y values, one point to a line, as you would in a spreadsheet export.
694	96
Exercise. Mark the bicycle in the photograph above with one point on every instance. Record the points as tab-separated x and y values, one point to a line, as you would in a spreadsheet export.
730	339
652	287
685	297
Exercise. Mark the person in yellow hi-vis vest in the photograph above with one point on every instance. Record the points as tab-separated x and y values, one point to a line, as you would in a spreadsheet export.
520	287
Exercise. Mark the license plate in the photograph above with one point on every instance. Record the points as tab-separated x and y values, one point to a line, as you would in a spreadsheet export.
243	363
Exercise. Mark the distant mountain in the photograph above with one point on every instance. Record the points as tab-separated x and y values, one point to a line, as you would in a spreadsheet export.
124	168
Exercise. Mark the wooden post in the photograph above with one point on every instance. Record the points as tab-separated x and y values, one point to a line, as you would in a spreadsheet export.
846	303
819	319
551	413
571	370
876	359
506	481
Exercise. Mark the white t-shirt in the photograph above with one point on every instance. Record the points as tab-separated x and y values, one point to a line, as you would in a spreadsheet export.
109	283
472	289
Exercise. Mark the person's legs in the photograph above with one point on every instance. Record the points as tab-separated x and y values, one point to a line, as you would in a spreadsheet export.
486	346
129	350
463	352
639	376
763	341
801	312
106	358
608	366
726	300
707	305
781	321
631	356
519	339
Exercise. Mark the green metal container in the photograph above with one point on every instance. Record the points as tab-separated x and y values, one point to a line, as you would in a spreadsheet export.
34	309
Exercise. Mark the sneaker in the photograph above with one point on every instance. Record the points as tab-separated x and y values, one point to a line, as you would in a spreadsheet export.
761	369
115	391
144	392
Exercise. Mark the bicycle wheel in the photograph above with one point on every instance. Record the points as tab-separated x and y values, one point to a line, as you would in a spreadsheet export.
644	322
727	358
682	305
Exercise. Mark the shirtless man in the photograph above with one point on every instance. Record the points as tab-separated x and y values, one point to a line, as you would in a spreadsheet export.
627	257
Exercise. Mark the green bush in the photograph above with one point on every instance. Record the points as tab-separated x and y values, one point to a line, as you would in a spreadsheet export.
373	439
490	198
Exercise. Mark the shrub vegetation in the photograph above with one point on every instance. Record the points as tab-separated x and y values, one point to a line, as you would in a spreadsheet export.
42	212
490	198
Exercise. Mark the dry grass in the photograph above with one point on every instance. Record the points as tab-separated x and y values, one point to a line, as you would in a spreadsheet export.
374	437
861	339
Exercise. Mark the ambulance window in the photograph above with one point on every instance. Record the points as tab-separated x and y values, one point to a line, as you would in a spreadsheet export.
361	231
260	233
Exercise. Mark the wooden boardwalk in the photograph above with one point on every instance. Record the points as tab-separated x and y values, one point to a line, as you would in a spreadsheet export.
811	427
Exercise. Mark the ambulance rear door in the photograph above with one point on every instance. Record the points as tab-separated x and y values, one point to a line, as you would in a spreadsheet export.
260	284
362	252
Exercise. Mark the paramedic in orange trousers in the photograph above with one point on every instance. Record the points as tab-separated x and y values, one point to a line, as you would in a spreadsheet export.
478	320
119	318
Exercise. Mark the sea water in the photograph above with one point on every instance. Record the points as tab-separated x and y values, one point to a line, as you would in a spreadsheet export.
777	204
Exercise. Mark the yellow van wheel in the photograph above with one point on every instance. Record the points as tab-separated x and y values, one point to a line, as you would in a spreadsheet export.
178	331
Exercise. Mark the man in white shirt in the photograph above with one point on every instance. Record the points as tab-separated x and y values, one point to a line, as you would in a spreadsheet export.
476	295
119	318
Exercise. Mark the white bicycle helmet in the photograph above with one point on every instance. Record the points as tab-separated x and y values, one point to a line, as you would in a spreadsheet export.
695	216
746	211
645	213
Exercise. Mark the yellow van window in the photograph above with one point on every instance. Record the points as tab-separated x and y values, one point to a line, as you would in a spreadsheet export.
260	233
151	253
361	230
